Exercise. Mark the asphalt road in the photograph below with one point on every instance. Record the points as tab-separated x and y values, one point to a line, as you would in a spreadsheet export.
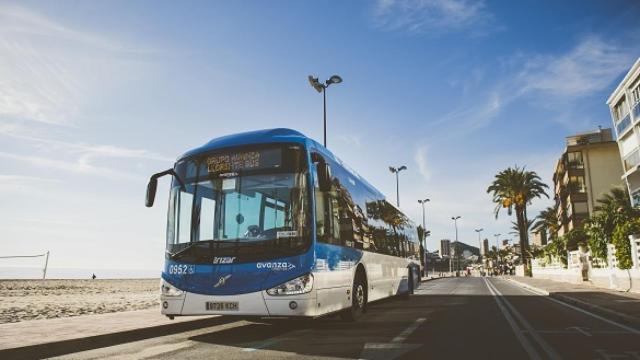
452	318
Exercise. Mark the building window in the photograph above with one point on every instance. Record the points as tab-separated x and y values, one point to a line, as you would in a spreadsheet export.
577	184
574	160
581	208
635	94
632	160
620	109
635	197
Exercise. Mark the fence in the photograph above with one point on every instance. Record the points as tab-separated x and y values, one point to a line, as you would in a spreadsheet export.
46	261
635	250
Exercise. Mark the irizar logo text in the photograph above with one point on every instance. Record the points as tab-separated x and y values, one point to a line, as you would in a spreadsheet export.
276	265
224	259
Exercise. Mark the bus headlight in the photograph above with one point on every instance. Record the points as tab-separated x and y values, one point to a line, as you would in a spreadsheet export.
299	285
169	290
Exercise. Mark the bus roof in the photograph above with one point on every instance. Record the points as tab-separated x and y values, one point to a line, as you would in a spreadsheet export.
276	135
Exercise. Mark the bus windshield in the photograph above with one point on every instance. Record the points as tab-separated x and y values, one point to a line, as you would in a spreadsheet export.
243	205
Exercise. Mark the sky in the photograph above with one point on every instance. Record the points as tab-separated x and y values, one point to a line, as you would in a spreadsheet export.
97	96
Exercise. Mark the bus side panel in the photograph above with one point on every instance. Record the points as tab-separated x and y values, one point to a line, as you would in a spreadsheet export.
333	276
387	275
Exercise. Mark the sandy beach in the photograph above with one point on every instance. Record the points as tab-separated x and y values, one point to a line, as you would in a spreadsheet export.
22	300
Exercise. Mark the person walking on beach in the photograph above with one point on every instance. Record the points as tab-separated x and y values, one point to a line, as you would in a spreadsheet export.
93	276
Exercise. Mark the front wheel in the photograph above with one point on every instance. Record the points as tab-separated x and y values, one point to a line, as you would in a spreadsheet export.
358	300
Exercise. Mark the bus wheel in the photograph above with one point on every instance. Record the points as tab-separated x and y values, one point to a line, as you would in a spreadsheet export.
358	299
409	292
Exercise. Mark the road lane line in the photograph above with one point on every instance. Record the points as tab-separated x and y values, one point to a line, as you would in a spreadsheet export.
552	354
262	345
627	328
516	330
406	332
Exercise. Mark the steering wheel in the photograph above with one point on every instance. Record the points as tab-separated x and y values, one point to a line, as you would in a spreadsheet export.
252	231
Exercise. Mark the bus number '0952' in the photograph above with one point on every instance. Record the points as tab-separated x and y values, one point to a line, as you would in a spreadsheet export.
181	269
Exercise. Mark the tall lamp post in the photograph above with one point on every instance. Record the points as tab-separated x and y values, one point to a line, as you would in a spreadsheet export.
322	88
455	224
479	231
424	228
397	171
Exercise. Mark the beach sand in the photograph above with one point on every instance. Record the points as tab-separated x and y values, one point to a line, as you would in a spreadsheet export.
22	300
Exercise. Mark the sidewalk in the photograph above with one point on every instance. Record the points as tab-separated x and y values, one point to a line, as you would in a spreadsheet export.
620	306
51	337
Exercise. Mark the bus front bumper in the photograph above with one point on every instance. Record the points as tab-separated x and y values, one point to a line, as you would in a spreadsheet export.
250	304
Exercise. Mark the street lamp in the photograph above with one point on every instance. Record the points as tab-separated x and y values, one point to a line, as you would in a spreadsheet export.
455	223
424	228
397	171
322	88
479	231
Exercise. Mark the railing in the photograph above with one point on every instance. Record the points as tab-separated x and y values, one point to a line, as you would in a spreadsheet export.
623	124
636	110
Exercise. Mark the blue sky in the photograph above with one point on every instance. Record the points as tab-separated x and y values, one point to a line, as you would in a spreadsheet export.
96	96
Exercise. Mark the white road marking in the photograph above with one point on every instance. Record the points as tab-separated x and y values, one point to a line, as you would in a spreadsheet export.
581	330
627	328
272	341
393	349
262	345
516	330
552	354
404	334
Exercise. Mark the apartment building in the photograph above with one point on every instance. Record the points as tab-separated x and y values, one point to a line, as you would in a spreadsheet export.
624	104
588	168
485	247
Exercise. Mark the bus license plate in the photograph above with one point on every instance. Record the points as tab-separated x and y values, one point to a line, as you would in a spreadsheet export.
222	305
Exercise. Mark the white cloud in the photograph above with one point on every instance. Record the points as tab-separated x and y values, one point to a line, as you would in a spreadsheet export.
78	166
350	139
432	16
48	71
555	82
420	157
588	68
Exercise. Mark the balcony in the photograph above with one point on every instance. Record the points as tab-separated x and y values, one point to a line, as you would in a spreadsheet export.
636	111
623	125
632	160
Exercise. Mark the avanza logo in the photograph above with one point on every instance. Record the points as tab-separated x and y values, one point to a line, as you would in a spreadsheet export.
275	265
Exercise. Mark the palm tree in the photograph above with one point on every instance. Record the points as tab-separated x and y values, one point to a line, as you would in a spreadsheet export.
514	189
547	221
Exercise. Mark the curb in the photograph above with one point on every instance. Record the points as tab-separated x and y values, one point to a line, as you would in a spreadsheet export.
68	346
618	316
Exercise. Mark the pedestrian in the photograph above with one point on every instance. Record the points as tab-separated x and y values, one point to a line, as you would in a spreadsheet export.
93	276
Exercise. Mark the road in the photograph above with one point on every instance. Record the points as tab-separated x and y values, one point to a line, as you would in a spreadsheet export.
453	318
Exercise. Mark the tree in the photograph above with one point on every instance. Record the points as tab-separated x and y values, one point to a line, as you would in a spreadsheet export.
621	241
557	249
514	189
547	221
613	210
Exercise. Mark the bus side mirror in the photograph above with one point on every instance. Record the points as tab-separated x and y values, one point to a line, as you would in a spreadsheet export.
324	176
151	191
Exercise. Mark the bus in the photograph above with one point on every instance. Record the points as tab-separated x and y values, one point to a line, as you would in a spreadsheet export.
270	223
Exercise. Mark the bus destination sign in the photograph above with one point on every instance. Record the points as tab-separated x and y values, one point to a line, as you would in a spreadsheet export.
248	160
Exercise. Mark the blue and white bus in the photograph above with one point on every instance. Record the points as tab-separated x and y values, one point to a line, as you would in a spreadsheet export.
270	223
